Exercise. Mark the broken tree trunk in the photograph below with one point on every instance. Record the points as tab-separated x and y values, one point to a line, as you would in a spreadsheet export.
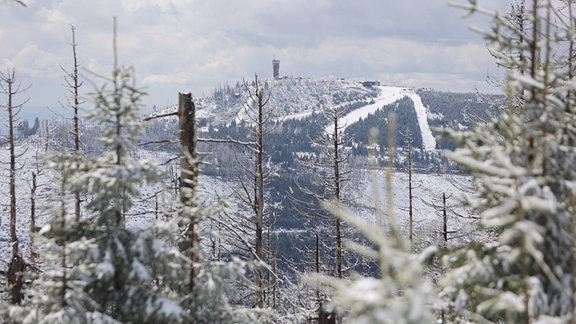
188	177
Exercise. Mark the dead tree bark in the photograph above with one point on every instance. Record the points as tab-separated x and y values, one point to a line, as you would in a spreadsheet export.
189	177
261	101
33	220
73	84
410	148
15	276
334	183
11	117
260	199
336	161
253	188
445	221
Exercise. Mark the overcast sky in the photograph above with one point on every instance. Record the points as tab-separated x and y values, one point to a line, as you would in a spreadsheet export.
194	45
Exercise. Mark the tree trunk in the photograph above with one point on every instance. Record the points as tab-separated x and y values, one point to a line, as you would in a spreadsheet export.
76	106
17	264
13	236
445	218
189	176
15	278
260	198
337	196
410	198
33	220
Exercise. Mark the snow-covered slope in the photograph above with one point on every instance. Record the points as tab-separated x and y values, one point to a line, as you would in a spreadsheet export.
290	97
296	98
386	96
427	189
428	139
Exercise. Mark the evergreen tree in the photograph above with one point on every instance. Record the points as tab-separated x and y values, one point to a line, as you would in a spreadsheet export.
123	263
57	293
400	294
101	271
522	163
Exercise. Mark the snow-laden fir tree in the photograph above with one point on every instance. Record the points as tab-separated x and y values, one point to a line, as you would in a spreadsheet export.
56	293
523	165
99	270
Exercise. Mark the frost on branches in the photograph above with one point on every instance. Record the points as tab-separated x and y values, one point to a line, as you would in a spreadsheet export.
523	164
401	293
97	270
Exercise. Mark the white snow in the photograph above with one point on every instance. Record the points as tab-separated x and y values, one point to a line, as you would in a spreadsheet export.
387	96
428	140
298	116
390	95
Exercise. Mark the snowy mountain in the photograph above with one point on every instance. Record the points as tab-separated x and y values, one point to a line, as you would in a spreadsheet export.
289	98
297	99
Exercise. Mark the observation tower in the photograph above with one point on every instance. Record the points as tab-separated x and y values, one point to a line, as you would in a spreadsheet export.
276	68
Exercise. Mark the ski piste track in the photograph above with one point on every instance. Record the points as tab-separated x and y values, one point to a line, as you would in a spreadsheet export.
389	95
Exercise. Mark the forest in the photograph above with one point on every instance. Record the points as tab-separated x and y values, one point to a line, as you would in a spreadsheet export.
180	216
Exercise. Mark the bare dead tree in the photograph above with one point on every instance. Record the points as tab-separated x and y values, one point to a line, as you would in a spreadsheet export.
189	178
330	172
410	150
456	224
186	182
73	84
33	219
33	196
11	88
259	116
339	157
327	175
247	236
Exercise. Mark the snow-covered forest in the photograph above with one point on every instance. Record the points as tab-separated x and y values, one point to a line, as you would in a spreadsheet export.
359	203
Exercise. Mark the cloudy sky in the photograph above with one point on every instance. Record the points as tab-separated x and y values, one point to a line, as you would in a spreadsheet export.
194	45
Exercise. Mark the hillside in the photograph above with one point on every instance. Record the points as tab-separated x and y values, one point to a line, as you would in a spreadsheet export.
290	98
293	159
288	225
298	98
298	103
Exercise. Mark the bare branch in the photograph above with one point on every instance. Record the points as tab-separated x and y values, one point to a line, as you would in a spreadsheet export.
160	116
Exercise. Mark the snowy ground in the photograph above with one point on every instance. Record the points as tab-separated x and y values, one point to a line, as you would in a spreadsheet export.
368	198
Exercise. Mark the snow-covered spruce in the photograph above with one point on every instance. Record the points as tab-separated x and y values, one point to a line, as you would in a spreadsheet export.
522	162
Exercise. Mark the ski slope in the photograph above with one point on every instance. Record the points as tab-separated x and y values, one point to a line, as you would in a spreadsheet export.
390	95
428	140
